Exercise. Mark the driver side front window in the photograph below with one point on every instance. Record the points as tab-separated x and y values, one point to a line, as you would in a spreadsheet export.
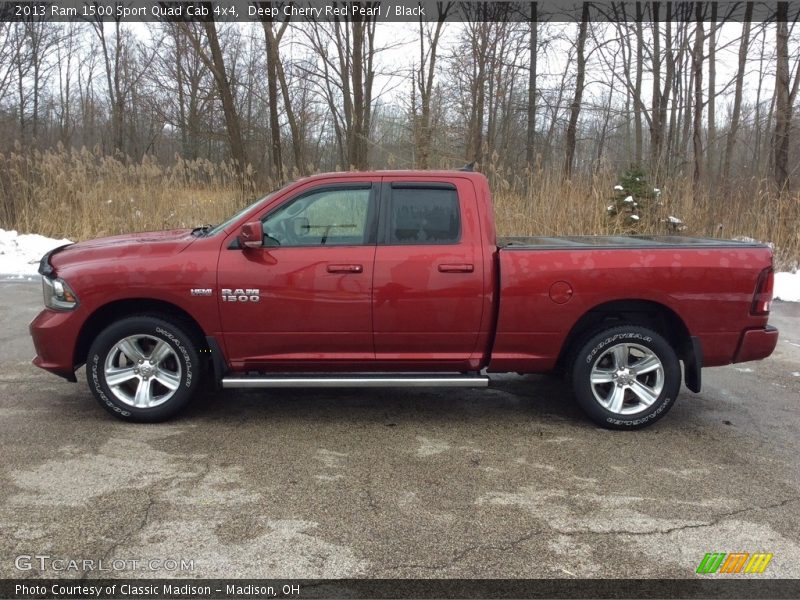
332	217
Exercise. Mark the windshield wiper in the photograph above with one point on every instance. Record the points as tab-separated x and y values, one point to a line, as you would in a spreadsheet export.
199	231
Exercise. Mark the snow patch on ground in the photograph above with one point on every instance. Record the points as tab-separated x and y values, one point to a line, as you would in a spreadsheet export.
787	287
20	254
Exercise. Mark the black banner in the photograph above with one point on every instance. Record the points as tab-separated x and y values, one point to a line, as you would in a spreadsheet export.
149	589
382	11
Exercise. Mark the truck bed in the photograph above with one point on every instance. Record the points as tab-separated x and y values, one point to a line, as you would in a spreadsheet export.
616	242
707	284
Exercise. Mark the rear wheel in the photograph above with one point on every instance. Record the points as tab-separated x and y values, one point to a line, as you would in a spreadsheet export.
143	368
626	377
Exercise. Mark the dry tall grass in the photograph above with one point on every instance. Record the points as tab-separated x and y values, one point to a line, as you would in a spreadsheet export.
83	194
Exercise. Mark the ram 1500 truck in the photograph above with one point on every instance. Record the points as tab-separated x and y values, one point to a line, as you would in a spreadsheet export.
397	278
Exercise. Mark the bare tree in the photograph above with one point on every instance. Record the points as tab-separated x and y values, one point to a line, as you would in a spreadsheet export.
215	62
530	141
291	97
712	94
291	116
125	63
113	57
697	69
733	129
637	91
656	120
429	36
272	39
7	49
346	74
783	105
479	35
29	43
575	107
184	88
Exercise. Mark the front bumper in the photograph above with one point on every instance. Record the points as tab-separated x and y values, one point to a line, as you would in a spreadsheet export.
756	344
54	335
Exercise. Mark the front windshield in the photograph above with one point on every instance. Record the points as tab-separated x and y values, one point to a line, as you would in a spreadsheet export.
238	215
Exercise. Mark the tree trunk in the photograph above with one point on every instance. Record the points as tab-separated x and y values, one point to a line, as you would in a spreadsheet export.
656	124
712	92
480	51
354	151
297	141
744	43
782	106
272	94
575	108
556	109
424	85
637	92
669	84
217	66
697	64
530	145
115	93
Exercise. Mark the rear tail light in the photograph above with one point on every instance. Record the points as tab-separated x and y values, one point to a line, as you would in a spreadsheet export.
762	298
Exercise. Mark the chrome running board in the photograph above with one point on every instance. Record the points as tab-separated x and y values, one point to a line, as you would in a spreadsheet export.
349	381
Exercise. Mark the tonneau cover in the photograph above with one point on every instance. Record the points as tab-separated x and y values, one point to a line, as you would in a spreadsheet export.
578	242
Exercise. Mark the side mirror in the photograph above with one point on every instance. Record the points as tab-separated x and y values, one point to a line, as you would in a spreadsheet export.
251	236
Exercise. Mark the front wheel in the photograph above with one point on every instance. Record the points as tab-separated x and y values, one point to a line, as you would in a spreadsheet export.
143	368
626	377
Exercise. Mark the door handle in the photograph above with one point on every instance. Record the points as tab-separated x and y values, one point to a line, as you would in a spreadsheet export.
457	268
345	268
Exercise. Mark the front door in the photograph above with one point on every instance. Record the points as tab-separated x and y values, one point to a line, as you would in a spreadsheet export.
302	301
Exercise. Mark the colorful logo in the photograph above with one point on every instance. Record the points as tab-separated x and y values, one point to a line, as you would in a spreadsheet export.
735	562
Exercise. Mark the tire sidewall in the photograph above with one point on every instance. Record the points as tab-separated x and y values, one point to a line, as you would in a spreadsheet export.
173	335
593	349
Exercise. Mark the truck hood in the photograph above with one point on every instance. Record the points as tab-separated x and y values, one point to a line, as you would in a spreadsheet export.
135	246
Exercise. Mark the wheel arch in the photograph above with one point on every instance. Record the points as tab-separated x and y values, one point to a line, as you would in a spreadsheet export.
105	315
646	313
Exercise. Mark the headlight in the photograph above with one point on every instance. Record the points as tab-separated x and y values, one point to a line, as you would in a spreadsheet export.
58	295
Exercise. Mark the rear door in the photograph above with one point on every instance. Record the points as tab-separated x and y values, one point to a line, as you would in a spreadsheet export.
303	300
428	296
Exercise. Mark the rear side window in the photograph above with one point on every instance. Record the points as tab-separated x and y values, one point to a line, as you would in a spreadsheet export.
420	215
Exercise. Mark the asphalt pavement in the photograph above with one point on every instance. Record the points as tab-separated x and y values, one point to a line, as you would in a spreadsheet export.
512	481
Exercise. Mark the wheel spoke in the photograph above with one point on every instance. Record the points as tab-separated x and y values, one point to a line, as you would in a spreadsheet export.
616	399
646	365
167	379
620	352
143	396
601	376
131	350
646	394
160	352
118	376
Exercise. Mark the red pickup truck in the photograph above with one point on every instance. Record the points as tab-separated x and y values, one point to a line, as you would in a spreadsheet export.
396	278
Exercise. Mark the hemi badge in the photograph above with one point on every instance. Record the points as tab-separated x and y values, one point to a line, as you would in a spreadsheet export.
201	291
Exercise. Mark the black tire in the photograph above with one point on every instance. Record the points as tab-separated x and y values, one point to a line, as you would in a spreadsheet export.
628	400
180	367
